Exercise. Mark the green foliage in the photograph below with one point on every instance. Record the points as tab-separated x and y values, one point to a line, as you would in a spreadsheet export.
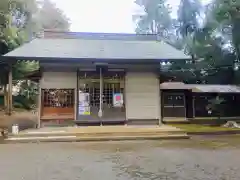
22	102
29	90
227	14
156	17
50	17
22	68
188	13
209	34
18	105
20	21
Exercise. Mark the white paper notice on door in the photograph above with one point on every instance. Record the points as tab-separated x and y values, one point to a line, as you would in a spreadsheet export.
83	99
83	104
118	100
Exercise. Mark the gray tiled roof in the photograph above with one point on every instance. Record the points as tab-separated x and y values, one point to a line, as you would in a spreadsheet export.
206	88
217	88
175	85
81	48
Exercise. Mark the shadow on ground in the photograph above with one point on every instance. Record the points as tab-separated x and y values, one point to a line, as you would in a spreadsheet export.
196	142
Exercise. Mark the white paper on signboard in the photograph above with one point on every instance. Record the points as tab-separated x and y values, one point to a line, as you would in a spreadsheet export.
84	104
118	100
81	110
83	99
87	110
84	110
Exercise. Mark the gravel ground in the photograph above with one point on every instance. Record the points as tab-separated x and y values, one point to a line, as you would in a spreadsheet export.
119	161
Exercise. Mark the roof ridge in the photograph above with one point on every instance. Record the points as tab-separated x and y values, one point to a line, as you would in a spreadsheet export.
60	31
48	34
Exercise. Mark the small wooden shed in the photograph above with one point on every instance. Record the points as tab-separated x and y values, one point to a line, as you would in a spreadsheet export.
191	101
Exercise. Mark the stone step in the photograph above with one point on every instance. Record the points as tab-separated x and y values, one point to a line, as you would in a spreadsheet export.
94	138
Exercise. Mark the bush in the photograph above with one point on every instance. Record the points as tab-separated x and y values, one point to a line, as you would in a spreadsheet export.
23	102
18	105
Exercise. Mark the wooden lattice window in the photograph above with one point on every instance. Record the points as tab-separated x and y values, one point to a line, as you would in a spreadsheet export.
62	98
113	82
171	99
174	105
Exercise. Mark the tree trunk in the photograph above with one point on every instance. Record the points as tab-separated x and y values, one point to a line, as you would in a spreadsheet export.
193	58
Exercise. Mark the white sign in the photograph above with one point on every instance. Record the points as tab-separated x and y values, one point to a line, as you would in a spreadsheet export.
83	104
83	99
118	100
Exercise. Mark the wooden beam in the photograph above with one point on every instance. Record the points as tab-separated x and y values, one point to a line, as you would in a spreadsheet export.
10	102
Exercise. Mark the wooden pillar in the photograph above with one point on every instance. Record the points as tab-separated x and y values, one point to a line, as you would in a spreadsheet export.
5	97
10	102
39	104
193	106
162	105
77	97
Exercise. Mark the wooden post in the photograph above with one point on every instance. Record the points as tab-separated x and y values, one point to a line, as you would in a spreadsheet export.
77	97
185	105
193	105
10	102
5	97
162	105
39	104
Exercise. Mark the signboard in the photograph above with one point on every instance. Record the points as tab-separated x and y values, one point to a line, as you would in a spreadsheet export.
84	110
83	104
118	100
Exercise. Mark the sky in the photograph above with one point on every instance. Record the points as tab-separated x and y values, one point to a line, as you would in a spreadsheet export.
109	16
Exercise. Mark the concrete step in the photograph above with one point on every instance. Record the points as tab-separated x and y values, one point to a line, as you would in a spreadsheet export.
93	134
94	138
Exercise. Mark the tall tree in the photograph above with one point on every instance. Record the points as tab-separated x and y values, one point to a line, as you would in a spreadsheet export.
20	20
51	17
188	13
196	33
14	16
156	18
188	18
227	14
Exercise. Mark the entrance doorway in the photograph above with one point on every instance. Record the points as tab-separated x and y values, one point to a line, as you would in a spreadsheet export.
174	106
101	97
